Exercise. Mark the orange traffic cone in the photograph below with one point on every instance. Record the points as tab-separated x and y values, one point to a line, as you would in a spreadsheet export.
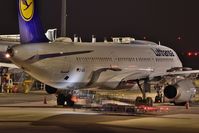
45	100
187	105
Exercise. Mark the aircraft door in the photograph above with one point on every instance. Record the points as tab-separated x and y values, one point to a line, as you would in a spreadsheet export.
114	62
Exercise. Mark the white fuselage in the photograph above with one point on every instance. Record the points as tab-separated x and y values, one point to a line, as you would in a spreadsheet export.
71	65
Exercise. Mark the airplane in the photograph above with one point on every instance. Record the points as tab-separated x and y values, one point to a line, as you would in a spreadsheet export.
65	66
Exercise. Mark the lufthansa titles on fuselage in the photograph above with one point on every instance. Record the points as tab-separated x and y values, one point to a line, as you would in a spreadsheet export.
160	52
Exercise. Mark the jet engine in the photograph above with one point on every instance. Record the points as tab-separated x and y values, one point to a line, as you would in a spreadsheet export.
181	92
50	90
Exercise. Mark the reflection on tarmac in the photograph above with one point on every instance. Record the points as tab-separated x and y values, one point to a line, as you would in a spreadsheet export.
31	116
64	120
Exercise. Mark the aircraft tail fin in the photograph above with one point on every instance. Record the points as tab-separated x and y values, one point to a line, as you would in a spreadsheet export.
30	26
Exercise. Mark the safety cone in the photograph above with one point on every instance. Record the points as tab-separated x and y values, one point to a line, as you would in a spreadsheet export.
45	100
187	105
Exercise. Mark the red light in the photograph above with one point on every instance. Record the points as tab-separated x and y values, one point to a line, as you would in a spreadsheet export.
179	38
164	108
74	99
189	54
193	54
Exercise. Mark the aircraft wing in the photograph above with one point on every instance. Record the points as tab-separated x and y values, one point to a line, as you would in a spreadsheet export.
127	76
176	73
184	72
141	74
137	75
130	76
9	65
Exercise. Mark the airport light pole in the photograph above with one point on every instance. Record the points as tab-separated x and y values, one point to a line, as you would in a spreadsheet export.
63	18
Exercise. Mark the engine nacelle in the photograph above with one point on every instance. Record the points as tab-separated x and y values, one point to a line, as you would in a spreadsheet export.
50	90
180	92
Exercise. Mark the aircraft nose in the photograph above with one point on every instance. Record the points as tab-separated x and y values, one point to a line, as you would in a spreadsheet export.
9	52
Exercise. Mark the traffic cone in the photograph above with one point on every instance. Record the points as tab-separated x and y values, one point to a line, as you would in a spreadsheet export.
187	105
45	100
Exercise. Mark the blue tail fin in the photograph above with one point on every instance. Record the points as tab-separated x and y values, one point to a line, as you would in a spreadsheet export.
30	27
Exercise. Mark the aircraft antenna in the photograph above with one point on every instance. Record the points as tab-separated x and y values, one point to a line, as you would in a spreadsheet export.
159	43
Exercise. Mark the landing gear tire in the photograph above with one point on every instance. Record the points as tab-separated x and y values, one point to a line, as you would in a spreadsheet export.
143	100
158	99
149	101
138	101
61	99
69	102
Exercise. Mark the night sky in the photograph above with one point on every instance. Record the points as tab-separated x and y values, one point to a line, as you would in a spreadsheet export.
175	23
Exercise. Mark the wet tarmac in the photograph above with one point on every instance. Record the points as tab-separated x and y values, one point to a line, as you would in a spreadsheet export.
31	115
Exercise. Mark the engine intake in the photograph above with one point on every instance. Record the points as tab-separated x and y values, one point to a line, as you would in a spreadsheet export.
181	91
170	91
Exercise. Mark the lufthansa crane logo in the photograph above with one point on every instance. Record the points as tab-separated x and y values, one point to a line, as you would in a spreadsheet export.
26	8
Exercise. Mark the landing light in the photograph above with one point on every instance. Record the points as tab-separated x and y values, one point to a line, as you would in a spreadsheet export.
7	55
9	52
